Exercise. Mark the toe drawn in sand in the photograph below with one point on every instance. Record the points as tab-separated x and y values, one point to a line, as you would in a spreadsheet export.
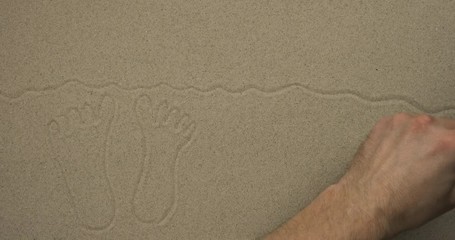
79	140
166	130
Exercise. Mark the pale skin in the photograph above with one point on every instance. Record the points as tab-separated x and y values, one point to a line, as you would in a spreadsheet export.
402	176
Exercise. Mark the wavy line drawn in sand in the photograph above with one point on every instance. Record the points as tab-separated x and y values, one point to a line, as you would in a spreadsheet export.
80	141
166	131
384	99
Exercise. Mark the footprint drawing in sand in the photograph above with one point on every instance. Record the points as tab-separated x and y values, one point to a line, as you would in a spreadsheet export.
166	130
79	140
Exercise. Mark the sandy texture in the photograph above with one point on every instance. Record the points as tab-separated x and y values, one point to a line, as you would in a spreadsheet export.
202	119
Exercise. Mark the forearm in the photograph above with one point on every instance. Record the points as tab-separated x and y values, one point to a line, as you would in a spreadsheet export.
332	215
401	177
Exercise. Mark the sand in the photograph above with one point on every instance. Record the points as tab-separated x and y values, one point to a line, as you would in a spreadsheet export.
202	119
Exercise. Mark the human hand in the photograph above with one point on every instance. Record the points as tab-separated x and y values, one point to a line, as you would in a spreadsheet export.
404	173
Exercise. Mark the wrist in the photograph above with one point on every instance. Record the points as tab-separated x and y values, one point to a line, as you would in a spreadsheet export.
364	217
337	213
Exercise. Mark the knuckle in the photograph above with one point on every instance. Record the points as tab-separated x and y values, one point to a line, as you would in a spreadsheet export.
381	123
424	119
385	119
421	123
400	118
446	143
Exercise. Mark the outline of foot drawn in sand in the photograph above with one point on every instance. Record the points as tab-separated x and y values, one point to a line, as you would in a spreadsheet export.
79	139
166	130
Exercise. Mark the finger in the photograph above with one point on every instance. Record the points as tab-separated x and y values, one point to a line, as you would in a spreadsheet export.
450	142
446	123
